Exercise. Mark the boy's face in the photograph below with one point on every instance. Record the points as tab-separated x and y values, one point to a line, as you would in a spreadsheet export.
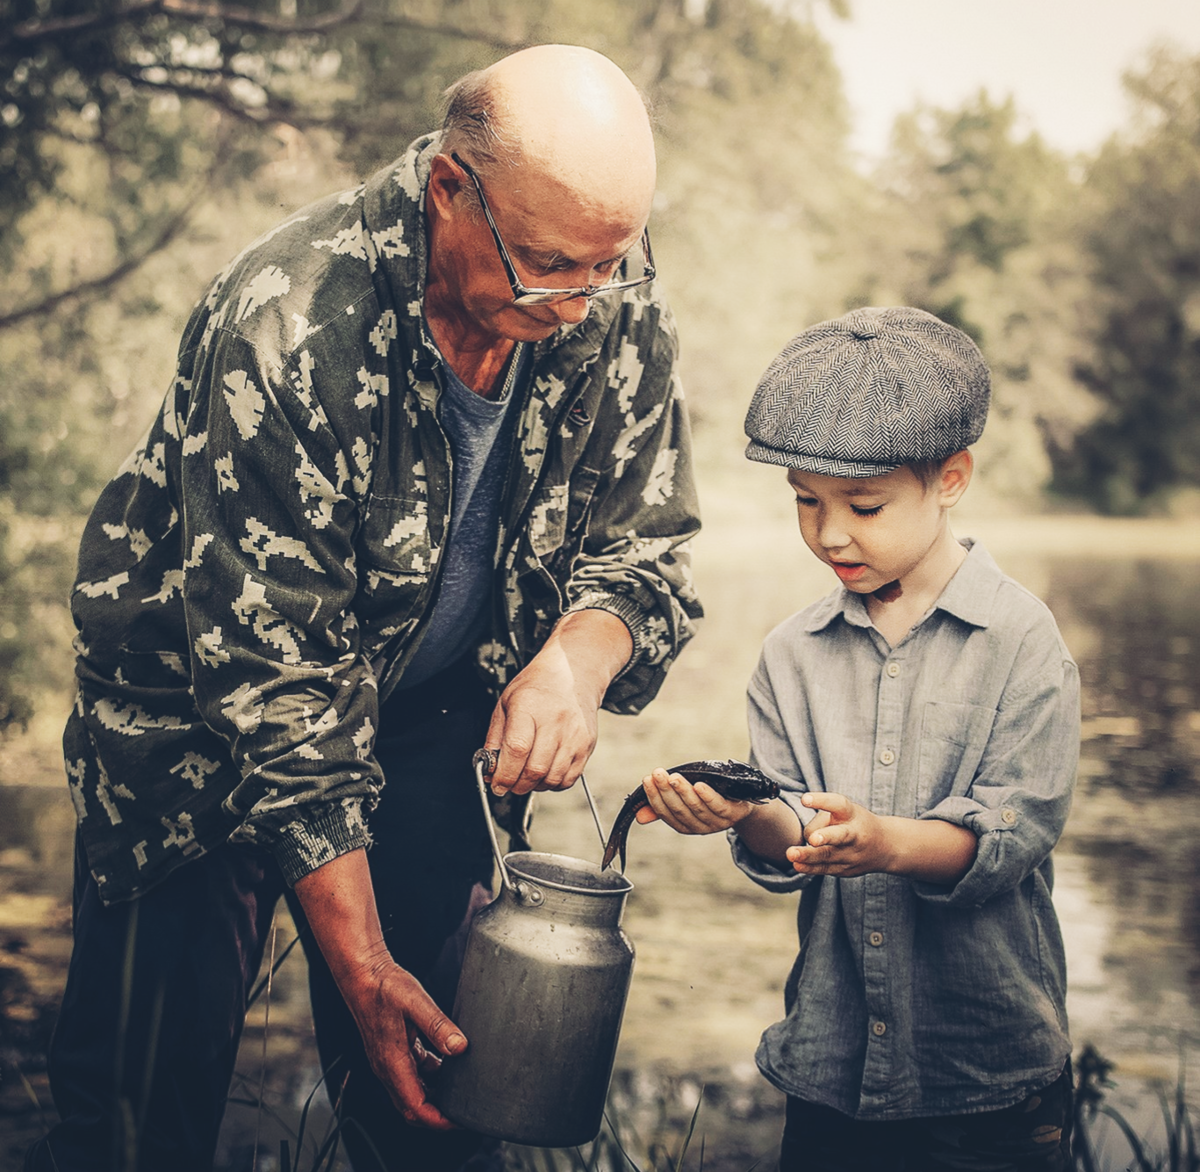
878	529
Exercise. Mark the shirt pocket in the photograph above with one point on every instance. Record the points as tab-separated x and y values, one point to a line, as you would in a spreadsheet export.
953	738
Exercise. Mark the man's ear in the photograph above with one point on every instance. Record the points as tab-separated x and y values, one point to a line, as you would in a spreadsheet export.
446	181
955	476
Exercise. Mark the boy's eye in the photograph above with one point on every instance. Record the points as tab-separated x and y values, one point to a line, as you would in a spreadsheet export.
862	511
805	500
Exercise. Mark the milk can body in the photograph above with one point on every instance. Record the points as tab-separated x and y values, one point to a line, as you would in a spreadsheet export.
544	981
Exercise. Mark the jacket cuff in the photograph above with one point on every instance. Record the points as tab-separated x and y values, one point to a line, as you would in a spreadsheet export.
304	845
628	611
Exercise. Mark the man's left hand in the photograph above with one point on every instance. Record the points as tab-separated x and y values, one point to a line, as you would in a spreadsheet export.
544	724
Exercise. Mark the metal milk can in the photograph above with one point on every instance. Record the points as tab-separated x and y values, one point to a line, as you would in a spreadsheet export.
544	981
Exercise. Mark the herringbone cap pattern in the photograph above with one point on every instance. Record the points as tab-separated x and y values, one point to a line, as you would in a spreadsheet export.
866	392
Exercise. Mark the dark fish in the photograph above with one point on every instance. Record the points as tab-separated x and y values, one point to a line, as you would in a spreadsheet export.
731	779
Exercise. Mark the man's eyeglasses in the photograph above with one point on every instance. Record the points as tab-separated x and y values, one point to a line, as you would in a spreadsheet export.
522	294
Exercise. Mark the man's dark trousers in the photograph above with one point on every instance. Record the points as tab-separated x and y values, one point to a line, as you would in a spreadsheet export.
142	1057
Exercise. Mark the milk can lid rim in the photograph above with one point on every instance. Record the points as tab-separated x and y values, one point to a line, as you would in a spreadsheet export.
608	883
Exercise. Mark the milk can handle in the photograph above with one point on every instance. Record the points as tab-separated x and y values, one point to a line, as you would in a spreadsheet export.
484	762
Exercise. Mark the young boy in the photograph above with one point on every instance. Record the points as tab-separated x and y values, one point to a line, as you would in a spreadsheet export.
923	723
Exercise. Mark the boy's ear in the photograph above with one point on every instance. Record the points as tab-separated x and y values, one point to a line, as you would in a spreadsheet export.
956	475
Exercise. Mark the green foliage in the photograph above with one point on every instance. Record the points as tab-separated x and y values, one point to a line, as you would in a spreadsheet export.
757	197
102	75
1141	229
146	142
972	222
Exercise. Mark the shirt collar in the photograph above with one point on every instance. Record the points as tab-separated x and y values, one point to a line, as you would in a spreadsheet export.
968	596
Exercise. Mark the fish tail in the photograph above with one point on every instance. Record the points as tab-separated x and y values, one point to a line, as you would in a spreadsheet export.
620	831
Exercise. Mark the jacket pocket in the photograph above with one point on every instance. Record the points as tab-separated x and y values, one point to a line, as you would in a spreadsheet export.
559	515
396	554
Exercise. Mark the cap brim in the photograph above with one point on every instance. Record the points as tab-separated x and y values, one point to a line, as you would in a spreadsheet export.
822	465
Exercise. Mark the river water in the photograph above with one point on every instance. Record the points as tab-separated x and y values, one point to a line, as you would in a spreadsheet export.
712	948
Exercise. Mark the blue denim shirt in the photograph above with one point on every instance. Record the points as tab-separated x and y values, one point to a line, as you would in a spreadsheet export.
910	999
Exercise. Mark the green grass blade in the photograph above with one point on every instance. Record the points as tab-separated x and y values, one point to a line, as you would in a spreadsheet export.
37	1103
687	1139
328	1150
1144	1163
304	1113
366	1139
275	967
620	1147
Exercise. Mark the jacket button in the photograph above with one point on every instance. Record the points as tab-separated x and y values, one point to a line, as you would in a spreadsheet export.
878	1029
887	757
876	938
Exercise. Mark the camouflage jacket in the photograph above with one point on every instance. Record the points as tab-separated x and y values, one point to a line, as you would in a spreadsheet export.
256	575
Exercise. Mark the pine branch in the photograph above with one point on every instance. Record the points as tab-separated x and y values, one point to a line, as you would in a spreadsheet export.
30	32
170	230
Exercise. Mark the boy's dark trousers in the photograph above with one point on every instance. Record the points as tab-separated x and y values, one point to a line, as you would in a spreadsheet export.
1031	1136
147	1036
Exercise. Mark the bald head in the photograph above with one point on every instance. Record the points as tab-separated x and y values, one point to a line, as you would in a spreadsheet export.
559	116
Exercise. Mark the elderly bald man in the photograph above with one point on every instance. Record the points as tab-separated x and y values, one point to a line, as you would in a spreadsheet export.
421	485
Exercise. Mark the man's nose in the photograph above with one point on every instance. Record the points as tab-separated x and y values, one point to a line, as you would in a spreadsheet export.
572	312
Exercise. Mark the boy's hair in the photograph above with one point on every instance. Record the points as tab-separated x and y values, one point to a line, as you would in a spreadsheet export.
927	471
869	391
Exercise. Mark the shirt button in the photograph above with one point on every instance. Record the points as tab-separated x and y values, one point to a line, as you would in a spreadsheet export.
887	757
893	669
876	938
878	1029
1008	817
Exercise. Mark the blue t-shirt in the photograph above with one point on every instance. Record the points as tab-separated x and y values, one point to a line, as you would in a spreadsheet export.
479	431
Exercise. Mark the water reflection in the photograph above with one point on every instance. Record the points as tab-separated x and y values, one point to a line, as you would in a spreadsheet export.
1140	622
712	949
1128	867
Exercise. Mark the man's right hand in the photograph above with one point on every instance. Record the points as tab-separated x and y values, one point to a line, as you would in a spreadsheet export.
404	1032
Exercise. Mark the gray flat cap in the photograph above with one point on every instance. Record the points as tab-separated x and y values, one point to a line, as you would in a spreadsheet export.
867	392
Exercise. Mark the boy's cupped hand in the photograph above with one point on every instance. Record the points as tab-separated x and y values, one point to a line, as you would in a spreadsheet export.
687	808
843	839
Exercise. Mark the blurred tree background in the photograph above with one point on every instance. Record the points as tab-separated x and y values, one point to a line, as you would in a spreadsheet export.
144	142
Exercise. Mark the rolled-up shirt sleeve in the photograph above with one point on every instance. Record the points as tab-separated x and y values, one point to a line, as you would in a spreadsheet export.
1019	798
